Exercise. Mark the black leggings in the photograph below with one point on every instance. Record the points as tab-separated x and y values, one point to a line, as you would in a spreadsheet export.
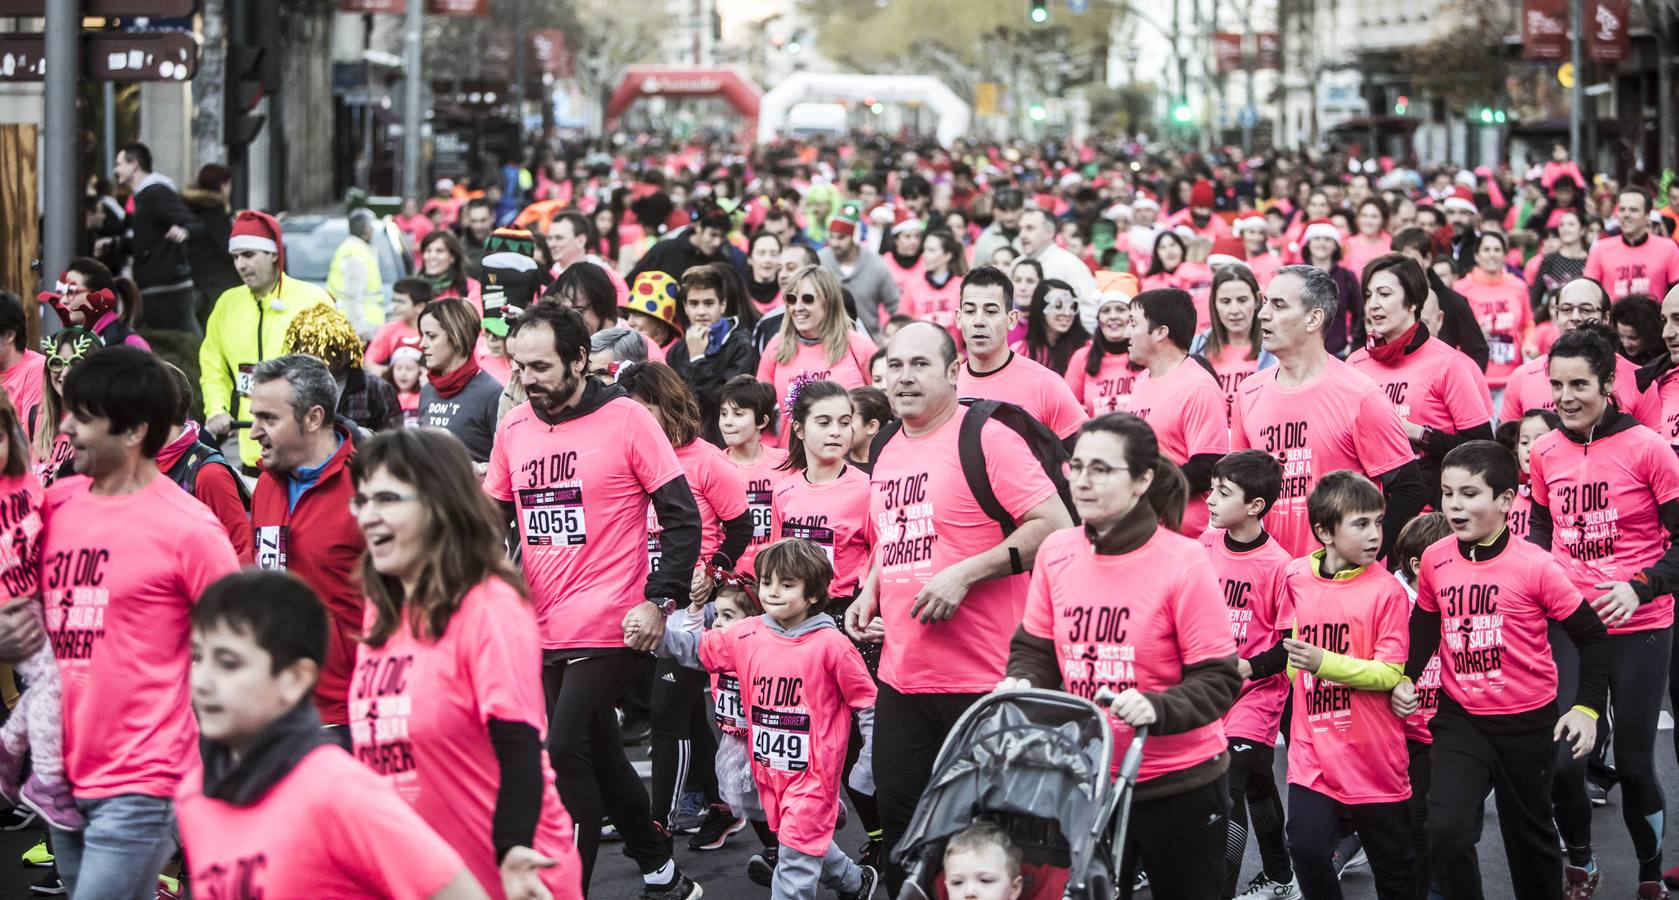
1639	663
1420	774
1176	840
1383	828
909	729
1253	795
591	771
683	745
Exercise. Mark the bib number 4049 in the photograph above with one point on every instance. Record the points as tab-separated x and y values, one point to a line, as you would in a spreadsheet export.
781	740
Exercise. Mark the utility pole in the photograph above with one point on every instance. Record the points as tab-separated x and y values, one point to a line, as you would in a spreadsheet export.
61	46
1576	112
413	118
521	40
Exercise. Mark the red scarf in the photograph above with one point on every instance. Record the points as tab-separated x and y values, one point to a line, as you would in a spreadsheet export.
454	382
1391	352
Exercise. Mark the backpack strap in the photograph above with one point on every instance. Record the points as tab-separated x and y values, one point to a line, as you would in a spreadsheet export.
881	437
971	452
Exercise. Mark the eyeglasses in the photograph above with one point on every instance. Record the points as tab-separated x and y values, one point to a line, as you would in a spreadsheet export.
1592	310
804	299
1061	304
379	501
1098	472
57	363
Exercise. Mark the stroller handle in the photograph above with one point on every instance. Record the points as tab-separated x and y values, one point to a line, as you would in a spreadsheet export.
1134	754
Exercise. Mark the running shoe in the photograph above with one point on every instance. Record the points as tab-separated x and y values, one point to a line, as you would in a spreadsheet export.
760	869
17	818
691	810
53	803
1139	882
52	886
873	854
1263	888
635	731
38	856
866	890
680	888
1652	890
720	822
1597	793
169	888
1578	883
1349	854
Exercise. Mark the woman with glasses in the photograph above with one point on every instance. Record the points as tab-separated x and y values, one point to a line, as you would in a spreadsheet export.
1053	330
817	340
446	702
51	448
1163	646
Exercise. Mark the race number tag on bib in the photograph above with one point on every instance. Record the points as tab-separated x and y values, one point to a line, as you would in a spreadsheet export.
245	380
271	547
1501	349
729	715
781	740
553	517
821	537
758	502
655	550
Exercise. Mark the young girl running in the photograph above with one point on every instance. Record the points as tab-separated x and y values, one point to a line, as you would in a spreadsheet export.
1483	602
805	678
746	410
1604	490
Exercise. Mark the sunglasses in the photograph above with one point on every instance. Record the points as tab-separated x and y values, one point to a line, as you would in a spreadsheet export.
804	300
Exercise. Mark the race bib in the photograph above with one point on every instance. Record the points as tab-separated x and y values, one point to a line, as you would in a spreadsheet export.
245	379
553	517
758	502
729	715
1501	349
781	740
271	547
655	550
821	537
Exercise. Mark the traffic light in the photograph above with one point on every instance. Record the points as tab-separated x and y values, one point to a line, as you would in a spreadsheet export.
1181	113
250	73
1401	105
1038	11
1037	112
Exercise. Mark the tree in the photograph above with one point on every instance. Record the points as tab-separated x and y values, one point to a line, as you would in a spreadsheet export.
1468	63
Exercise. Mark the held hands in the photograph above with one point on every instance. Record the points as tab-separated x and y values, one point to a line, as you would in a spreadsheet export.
1198	249
1302	655
1579	729
862	623
644	626
1403	699
699	588
1244	668
1012	684
521	874
1132	708
1617	606
940	596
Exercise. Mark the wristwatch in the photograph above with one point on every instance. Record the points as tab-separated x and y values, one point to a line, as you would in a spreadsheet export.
666	605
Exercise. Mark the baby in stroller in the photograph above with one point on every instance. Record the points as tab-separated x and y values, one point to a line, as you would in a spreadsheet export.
981	863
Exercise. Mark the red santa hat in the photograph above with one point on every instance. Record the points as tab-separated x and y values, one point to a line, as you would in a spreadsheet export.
256	230
1320	228
1201	195
1461	199
1246	222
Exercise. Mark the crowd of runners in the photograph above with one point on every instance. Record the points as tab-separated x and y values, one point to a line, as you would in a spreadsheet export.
779	459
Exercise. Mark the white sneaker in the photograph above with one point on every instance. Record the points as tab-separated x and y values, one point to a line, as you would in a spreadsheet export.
1263	888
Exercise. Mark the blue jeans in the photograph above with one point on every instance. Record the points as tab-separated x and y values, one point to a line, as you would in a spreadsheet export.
127	841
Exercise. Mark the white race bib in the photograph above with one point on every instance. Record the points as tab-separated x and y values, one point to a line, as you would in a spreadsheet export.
758	502
821	537
781	740
553	517
271	547
729	714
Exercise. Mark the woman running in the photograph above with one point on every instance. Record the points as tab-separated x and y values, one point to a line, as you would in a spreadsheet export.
1053	330
1173	265
816	340
1231	344
1100	373
1499	300
443	266
935	294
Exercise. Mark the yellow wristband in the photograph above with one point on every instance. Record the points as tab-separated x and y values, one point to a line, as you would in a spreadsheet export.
1587	710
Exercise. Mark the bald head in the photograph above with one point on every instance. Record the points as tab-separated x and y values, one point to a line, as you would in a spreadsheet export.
921	376
1577	303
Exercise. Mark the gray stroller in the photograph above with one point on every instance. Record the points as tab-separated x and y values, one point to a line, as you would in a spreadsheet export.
1036	763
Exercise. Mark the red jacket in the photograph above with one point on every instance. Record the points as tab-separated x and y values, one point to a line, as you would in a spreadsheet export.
318	541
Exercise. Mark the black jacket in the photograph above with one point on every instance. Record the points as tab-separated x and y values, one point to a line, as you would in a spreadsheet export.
674	256
207	256
1458	328
160	265
728	356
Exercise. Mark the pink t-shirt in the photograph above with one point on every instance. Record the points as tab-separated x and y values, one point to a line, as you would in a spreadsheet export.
800	694
1187	411
1168	617
1193	278
834	516
119	577
1649	268
1357	251
420	712
851	370
1338	420
1104	392
719	492
1347	744
581	487
1251	583
1603	503
384	341
1494	651
1434	386
1264	267
1519	519
1501	309
1038	390
919	299
22	383
761	477
923	519
1231	368
362	843
1666	392
1529	387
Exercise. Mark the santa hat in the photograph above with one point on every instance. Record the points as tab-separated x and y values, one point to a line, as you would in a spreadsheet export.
407	348
903	220
1144	201
1246	222
1216	260
1201	195
254	230
1117	212
1466	178
1321	228
1461	199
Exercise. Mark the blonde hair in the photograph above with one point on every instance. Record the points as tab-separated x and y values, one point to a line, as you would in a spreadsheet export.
836	327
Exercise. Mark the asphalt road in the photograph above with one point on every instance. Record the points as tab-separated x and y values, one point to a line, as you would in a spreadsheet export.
723	872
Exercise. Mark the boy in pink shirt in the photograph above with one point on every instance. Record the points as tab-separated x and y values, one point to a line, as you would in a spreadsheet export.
804	679
1346	747
259	642
1249	566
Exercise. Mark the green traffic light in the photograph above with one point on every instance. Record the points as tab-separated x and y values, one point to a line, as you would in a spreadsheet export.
1498	117
1181	113
1040	15
1486	117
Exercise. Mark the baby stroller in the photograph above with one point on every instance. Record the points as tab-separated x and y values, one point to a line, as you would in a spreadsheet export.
1035	762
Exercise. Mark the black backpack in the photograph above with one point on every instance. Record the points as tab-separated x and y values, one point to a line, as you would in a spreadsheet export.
185	470
1046	447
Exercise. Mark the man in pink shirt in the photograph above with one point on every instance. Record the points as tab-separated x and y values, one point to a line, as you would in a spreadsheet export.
1318	414
1659	377
570	236
1634	261
21	369
1579	302
994	372
125	554
947	586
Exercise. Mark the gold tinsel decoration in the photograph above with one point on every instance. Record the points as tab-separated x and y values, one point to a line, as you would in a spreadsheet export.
323	331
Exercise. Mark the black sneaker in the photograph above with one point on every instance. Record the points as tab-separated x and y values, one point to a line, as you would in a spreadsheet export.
1349	854
760	869
1597	793
635	731
51	886
681	888
17	818
865	891
873	854
720	822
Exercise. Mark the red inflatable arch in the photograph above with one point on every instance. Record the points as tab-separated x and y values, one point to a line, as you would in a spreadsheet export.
681	81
